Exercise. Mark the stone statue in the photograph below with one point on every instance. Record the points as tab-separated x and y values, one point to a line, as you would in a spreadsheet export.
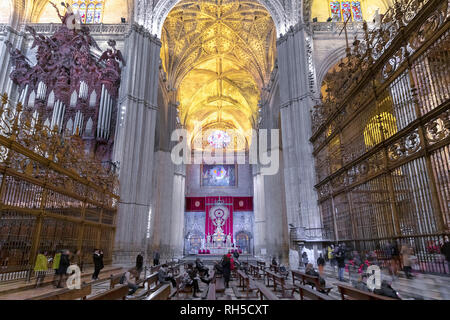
208	239
228	240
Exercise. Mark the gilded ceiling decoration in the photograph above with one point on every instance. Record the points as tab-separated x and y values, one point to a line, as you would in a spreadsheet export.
218	55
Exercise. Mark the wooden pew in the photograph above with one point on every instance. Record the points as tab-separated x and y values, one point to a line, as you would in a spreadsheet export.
350	293
261	265
162	293
66	294
270	276
311	294
265	293
152	279
117	293
280	280
245	282
307	279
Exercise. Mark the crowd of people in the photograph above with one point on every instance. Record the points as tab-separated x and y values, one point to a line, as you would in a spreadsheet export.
60	261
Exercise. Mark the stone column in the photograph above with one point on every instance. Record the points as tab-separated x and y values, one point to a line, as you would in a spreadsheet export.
177	227
259	230
135	150
296	101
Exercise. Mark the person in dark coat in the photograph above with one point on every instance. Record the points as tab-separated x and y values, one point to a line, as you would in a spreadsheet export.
445	250
139	265
226	269
340	258
155	258
320	264
98	263
201	267
64	263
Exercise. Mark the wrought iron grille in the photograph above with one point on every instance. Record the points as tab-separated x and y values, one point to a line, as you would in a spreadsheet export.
382	145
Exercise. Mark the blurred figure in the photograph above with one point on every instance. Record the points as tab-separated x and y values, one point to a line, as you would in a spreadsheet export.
274	261
226	269
139	264
98	263
320	264
164	276
64	263
201	267
395	257
55	266
445	250
406	253
155	258
331	256
190	279
387	291
340	259
361	284
305	258
77	259
309	269
127	278
40	268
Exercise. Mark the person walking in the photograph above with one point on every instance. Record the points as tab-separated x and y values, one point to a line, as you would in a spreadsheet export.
406	253
320	264
155	258
64	263
98	263
40	267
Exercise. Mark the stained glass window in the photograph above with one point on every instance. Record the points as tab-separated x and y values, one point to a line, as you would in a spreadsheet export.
219	139
340	11
346	11
90	11
335	7
356	10
98	13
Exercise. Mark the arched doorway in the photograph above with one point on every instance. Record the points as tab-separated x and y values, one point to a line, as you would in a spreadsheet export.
244	242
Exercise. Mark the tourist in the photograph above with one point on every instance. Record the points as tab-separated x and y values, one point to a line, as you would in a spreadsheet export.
331	256
445	250
340	259
226	269
155	258
305	258
274	261
139	264
406	253
127	278
236	254
361	284
164	276
40	268
98	263
55	266
201	267
320	264
64	263
387	291
309	270
190	279
77	260
395	257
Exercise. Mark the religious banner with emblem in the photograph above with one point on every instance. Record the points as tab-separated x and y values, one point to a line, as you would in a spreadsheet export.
219	218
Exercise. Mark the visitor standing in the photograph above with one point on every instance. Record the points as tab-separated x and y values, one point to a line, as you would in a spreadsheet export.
55	266
445	250
78	260
40	268
64	263
98	263
226	269
155	258
305	259
139	264
340	259
320	264
395	257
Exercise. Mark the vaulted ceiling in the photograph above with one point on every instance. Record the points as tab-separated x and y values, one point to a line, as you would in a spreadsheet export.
218	54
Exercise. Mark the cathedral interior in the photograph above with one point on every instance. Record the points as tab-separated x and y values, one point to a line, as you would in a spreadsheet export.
224	149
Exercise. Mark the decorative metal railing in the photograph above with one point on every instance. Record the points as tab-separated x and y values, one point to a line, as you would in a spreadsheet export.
52	195
382	147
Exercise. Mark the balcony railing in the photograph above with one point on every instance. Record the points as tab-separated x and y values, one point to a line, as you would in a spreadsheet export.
310	234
